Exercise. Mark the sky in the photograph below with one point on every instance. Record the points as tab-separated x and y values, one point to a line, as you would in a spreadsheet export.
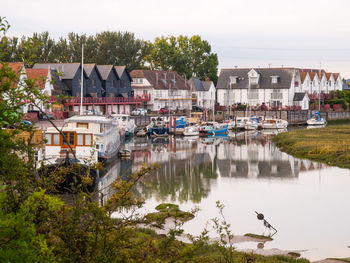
254	33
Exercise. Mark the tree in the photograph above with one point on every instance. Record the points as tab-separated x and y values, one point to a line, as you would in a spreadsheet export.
188	56
119	48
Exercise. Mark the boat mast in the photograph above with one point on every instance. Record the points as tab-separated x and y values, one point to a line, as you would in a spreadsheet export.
319	91
82	80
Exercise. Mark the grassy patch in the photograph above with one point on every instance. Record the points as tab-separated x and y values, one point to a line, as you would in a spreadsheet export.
341	259
258	236
294	254
166	210
329	145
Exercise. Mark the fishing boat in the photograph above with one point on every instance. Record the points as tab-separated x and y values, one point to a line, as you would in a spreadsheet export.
316	120
191	131
274	124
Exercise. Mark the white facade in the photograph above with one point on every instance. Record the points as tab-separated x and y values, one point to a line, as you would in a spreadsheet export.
209	97
167	95
274	87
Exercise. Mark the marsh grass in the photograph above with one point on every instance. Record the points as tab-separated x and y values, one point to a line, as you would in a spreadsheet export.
329	145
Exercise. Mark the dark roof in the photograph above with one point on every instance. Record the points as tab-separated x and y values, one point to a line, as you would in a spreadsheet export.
67	69
120	70
88	68
265	82
161	79
195	84
207	85
105	71
299	96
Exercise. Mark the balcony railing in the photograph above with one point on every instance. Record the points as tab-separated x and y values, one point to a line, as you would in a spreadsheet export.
104	100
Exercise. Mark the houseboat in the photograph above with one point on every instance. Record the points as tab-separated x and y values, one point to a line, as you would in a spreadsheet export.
91	138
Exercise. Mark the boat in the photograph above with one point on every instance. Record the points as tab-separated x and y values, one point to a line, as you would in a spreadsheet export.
195	118
125	123
220	129
316	120
91	138
205	127
274	124
154	134
191	131
141	133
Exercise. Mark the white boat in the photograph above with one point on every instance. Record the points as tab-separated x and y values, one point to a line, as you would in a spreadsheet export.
274	124
92	138
125	123
316	120
191	131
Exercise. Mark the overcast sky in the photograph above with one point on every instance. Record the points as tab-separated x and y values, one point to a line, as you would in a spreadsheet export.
296	33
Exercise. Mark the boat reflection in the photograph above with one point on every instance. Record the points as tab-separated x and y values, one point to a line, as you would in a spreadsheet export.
190	167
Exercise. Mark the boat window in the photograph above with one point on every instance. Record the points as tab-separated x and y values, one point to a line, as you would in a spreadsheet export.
80	139
88	139
97	146
82	125
71	138
124	118
56	139
65	136
101	128
48	138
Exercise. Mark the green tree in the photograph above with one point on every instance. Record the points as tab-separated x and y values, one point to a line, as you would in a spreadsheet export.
189	56
119	48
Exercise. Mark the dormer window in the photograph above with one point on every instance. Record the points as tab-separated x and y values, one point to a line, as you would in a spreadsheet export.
274	79
253	77
233	79
253	80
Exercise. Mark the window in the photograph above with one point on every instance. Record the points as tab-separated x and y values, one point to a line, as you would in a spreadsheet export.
48	138
274	79
101	128
233	79
80	139
82	125
93	83
88	140
253	94
276	94
253	80
56	139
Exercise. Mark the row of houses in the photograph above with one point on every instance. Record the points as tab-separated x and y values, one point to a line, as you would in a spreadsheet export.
274	86
112	89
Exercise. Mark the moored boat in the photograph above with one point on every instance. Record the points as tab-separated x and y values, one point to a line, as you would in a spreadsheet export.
191	131
316	120
274	124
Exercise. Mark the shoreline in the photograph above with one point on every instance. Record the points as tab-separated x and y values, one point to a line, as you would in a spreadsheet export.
329	145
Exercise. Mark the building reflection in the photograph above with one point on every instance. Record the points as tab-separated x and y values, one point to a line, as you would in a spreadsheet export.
189	167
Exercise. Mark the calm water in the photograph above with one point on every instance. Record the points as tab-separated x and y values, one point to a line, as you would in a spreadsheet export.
306	201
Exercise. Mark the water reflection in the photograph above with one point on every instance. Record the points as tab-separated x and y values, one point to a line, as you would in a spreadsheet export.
306	201
190	165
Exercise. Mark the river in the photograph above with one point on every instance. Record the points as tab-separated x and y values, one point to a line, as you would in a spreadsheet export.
305	201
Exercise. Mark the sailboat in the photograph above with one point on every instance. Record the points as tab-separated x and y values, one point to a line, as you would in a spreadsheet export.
316	118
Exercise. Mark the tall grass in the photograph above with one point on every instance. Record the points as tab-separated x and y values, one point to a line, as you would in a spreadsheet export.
329	145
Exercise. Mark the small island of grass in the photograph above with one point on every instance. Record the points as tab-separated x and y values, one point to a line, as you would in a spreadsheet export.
262	237
329	145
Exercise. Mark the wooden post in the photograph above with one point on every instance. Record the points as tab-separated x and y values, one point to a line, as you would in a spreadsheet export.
175	128
170	123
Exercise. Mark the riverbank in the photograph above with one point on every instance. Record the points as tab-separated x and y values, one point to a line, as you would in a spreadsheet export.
329	145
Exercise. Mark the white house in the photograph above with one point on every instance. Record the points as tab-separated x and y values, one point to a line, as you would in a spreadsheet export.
302	100
203	93
166	89
272	86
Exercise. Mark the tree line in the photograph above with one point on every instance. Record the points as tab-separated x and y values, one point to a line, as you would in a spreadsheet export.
189	56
